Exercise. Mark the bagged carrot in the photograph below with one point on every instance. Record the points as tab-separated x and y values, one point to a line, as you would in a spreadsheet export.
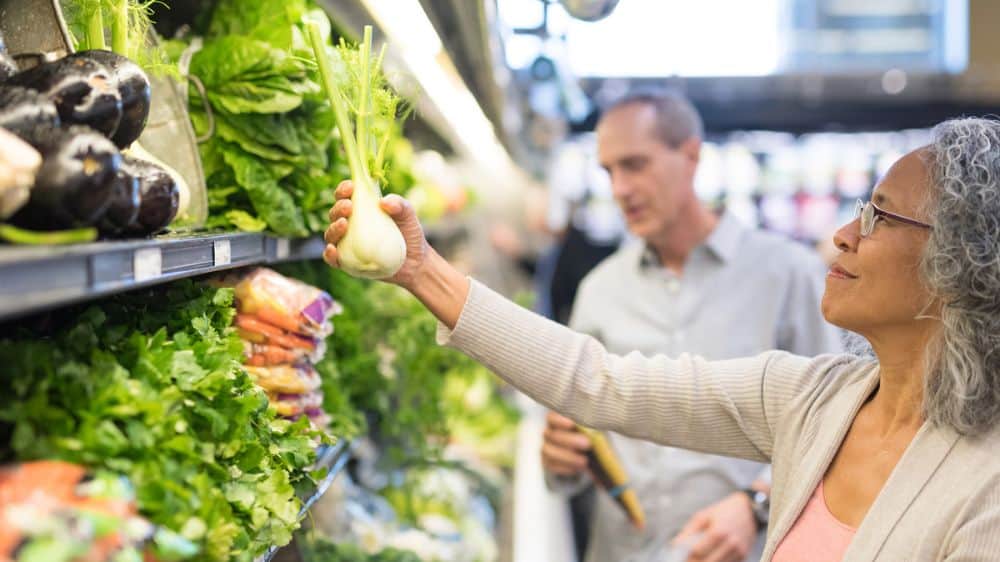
286	303
255	330
292	405
266	355
287	379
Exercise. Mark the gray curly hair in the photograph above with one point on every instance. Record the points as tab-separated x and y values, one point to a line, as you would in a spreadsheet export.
961	268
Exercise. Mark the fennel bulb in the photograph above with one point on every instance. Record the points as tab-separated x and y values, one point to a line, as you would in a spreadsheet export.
373	246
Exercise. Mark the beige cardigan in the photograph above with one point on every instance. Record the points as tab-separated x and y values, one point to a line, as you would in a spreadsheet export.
942	501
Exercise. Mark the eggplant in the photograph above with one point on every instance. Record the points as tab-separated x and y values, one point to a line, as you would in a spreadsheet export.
8	66
24	111
159	195
124	207
81	89
133	87
75	183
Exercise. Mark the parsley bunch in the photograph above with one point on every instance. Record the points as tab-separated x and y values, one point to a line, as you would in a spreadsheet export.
150	386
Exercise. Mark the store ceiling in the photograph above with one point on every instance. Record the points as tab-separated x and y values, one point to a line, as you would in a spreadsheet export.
808	103
467	29
805	96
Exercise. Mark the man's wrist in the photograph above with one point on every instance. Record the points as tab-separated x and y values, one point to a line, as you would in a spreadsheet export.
759	503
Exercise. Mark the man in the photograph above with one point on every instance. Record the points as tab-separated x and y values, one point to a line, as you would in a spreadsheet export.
697	283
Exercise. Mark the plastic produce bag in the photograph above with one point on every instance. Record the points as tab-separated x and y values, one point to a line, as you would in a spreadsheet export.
286	379
265	355
53	511
286	303
294	405
256	331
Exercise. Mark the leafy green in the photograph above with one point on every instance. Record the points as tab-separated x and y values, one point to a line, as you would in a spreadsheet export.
244	221
272	159
126	21
256	77
274	205
322	550
478	415
150	385
267	106
383	359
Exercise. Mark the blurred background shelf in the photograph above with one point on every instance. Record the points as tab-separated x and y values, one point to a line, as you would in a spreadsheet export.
37	278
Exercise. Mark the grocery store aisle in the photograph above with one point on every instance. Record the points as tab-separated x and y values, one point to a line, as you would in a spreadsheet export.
541	519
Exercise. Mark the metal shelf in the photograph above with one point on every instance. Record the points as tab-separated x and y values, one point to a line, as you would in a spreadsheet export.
335	459
36	278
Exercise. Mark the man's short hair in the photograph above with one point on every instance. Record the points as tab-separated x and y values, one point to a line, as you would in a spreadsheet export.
677	120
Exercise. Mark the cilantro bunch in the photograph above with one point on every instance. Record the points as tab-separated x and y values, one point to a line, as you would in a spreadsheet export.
150	386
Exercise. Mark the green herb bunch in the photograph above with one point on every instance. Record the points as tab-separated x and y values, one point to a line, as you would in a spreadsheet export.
321	550
270	160
383	359
151	386
128	23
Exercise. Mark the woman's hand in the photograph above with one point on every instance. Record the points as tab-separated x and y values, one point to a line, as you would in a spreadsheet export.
399	210
424	273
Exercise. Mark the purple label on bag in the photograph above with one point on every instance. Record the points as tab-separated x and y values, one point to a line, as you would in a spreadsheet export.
318	310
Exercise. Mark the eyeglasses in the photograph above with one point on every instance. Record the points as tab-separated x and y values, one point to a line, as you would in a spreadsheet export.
869	215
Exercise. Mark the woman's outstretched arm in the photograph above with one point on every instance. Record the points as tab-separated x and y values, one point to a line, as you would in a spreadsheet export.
722	407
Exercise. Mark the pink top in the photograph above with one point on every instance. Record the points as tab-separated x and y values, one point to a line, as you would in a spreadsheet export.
816	536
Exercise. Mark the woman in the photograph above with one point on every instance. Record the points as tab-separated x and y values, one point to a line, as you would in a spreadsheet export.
895	458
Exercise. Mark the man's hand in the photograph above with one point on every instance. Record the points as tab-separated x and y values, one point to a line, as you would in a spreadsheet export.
727	531
564	449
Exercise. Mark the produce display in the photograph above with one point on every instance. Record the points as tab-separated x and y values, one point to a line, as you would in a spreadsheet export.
322	550
385	360
151	386
275	145
82	113
283	324
274	153
182	422
440	421
140	382
271	159
444	516
438	512
55	511
481	421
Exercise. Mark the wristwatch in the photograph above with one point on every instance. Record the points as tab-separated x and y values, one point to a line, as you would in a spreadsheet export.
760	505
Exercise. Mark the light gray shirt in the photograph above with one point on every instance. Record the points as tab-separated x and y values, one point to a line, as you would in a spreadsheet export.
742	292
